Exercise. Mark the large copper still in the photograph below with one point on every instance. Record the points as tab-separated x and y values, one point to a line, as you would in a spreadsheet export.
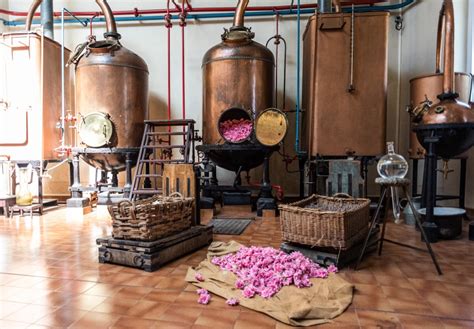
238	74
111	97
450	119
345	83
425	89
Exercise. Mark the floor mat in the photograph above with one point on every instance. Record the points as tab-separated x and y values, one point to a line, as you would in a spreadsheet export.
230	226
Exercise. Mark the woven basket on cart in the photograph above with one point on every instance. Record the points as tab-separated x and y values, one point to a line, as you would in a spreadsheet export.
337	222
151	219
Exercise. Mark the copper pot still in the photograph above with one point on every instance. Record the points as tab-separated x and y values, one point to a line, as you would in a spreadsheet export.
425	89
111	97
237	73
449	117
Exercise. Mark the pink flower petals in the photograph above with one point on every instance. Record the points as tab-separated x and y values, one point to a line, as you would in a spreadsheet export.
236	130
264	271
204	296
232	301
199	277
204	299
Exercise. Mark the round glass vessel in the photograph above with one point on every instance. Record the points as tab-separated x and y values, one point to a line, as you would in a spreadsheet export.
392	165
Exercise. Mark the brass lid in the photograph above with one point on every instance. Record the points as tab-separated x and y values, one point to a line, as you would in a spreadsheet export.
271	127
96	129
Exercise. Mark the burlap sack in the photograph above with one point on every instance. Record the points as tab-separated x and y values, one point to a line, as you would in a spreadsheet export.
325	300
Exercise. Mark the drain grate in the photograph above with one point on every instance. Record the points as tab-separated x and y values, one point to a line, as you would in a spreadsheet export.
230	226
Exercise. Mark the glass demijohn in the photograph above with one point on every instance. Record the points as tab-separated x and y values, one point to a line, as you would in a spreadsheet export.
393	165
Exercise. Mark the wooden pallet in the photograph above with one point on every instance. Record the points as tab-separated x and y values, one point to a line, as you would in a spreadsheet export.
328	256
150	256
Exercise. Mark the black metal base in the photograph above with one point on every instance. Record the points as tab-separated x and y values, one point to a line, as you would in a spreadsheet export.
265	204
471	231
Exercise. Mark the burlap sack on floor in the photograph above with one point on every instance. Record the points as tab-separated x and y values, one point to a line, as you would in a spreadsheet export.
324	300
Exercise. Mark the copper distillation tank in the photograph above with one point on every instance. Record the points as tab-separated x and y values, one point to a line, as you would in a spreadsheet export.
238	84
111	105
445	129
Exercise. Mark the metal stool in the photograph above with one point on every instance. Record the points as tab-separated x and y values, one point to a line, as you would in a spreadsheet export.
386	184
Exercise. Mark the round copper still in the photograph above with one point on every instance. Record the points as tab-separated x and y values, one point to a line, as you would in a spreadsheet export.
237	73
112	80
457	117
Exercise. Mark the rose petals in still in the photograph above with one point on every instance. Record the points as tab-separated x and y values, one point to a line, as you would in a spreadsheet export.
232	301
199	277
204	299
264	271
236	130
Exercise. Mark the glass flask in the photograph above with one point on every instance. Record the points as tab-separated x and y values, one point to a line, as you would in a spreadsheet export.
393	165
24	175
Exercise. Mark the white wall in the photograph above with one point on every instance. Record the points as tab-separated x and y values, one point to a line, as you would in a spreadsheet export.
411	53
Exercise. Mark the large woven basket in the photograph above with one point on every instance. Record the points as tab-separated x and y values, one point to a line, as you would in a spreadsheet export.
151	219
329	221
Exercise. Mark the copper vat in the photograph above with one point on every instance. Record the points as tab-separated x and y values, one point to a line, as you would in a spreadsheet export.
111	98
30	96
237	73
451	118
425	89
345	84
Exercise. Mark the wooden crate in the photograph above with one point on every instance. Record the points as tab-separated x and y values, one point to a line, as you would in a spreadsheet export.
150	256
179	178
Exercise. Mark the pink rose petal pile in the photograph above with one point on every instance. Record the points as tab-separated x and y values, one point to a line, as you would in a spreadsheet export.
264	271
236	130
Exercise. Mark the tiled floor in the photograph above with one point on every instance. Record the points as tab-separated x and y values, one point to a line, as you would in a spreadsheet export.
50	277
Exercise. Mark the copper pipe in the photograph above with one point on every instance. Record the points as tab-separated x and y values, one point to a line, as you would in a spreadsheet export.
439	39
109	16
448	80
240	12
337	5
31	13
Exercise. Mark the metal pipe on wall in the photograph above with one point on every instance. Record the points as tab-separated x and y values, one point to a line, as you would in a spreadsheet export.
47	20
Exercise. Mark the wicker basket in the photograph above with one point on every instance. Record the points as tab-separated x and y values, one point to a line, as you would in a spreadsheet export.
151	219
329	222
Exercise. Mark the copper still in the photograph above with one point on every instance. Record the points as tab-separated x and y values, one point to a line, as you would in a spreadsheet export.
450	118
111	97
238	74
345	83
425	89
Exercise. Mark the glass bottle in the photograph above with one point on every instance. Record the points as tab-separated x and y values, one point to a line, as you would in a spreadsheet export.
393	165
25	176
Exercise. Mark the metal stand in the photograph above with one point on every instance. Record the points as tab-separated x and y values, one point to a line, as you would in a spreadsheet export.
386	184
462	182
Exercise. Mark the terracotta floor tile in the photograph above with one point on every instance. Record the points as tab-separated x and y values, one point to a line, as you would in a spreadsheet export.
13	324
400	288
378	319
132	292
30	313
131	322
165	296
62	317
415	321
102	289
85	302
95	320
214	319
186	314
148	310
254	320
7	308
113	305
